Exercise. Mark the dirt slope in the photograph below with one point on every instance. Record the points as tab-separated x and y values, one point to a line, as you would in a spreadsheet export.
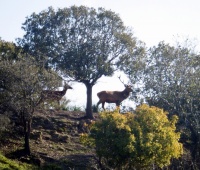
55	140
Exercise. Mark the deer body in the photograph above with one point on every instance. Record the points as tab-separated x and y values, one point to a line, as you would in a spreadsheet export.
113	96
50	95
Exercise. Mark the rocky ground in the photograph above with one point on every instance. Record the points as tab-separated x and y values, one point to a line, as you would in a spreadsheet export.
54	141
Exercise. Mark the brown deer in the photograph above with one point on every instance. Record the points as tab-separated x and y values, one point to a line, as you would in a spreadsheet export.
114	96
49	95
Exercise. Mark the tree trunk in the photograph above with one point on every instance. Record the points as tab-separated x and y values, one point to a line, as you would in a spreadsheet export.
27	130
89	113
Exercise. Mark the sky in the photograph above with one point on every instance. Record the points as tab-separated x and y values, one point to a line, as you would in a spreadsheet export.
152	21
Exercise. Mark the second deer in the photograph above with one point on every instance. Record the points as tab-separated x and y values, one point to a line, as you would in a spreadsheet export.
50	95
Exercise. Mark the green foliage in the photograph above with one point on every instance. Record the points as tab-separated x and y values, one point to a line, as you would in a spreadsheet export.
171	81
73	108
157	140
113	138
22	81
135	140
83	43
9	51
62	105
6	164
94	108
4	123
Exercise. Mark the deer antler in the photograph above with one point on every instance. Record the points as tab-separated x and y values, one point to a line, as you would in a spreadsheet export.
121	81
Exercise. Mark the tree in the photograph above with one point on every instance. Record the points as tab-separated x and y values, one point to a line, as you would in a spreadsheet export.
81	42
135	141
171	81
9	51
21	84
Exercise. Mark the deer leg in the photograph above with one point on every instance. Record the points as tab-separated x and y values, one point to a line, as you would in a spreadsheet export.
118	105
98	103
103	105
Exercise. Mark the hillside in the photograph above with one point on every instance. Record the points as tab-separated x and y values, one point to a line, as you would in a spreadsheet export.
54	142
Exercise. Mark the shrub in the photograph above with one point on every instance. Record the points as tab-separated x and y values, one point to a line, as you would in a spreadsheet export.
140	140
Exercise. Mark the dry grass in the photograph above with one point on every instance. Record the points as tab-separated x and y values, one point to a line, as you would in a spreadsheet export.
54	140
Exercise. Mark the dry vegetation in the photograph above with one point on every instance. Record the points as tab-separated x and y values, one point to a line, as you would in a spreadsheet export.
54	142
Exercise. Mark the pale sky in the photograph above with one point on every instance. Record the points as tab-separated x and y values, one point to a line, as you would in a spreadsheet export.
152	21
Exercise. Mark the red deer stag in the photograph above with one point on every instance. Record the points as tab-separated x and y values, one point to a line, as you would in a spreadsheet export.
114	96
49	95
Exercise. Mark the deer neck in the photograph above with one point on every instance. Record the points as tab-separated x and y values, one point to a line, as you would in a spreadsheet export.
64	91
125	94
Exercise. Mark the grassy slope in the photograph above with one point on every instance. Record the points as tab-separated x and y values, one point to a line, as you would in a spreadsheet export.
7	164
54	144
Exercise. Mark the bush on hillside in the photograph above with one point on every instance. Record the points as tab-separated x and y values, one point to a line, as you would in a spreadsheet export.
140	140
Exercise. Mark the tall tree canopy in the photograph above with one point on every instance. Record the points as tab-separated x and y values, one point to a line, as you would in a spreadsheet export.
171	81
83	43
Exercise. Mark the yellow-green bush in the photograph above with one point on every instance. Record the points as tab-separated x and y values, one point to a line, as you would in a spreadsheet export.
137	140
